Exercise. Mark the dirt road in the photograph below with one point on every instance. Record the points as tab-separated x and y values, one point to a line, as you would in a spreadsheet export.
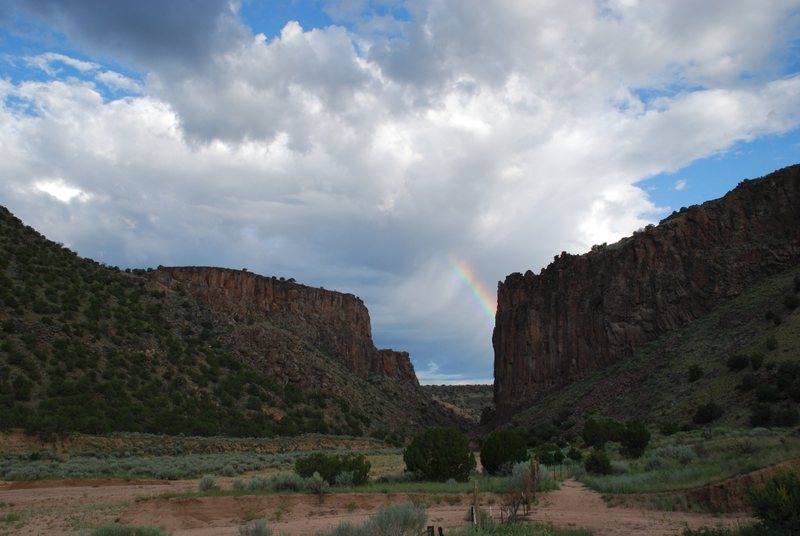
67	506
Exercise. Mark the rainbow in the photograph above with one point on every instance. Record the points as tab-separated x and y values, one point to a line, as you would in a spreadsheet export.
476	287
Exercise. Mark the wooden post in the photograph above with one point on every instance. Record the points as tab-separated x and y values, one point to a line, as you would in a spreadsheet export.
477	519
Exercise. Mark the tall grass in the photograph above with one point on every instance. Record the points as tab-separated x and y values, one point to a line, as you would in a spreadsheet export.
689	460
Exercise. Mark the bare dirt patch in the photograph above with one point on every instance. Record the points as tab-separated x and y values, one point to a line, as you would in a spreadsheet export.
67	506
575	506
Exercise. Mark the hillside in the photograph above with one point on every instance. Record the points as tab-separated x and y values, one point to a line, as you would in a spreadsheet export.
469	401
666	381
584	313
87	347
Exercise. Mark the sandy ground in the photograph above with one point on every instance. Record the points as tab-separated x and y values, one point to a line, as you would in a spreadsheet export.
64	507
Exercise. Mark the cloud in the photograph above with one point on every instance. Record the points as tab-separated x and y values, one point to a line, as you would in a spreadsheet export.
117	81
49	63
680	184
179	34
61	190
362	161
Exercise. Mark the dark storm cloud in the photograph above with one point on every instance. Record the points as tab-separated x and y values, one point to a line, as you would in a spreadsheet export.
147	32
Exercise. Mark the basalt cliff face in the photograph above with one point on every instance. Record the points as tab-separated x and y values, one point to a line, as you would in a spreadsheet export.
333	323
584	312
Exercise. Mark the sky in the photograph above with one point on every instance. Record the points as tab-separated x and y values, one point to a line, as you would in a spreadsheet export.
412	153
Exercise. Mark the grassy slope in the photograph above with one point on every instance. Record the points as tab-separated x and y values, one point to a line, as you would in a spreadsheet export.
653	385
85	347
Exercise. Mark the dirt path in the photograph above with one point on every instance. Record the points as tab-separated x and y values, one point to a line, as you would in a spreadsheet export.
67	506
575	506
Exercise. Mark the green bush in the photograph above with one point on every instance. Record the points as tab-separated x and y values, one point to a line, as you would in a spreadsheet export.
786	416
286	482
695	373
546	453
329	466
748	383
574	454
598	432
501	449
737	362
777	503
710	411
542	433
791	302
206	483
635	438
598	462
756	360
344	479
761	414
316	484
404	519
440	454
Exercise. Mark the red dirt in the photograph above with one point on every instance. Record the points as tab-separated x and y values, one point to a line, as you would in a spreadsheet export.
50	508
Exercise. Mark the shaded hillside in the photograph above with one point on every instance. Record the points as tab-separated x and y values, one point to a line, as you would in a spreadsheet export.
469	401
85	347
744	356
585	312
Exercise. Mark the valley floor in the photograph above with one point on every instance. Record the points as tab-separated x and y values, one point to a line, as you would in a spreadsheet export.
64	507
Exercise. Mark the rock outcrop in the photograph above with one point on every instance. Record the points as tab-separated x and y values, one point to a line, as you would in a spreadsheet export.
333	323
584	312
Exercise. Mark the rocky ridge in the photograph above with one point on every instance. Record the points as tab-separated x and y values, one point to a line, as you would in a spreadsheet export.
334	323
584	312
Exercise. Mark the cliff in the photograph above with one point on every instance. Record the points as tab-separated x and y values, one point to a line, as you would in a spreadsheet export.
585	312
333	323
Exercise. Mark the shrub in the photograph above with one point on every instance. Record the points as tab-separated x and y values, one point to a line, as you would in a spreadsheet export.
766	392
791	301
772	343
786	416
316	484
329	466
756	360
404	519
542	433
597	432
546	453
710	411
668	428
574	454
439	454
695	373
737	362
761	414
257	527
206	483
748	383
598	462
503	448
777	503
635	438
681	453
344	479
285	482
797	284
